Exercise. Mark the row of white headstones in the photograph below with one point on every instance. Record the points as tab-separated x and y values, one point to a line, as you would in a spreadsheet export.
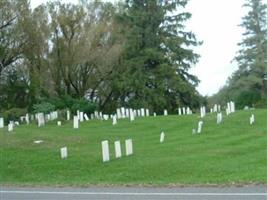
229	109
105	150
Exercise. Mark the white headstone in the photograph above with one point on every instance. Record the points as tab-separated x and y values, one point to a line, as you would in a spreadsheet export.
114	120
162	137
131	115
199	128
64	152
118	113
219	118
59	123
75	122
142	112
155	114
117	149
86	117
81	117
179	111
252	119
1	122
165	112
10	126
68	115
27	118
147	112
129	147
105	151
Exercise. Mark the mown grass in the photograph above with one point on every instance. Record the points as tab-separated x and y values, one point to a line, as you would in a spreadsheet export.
233	152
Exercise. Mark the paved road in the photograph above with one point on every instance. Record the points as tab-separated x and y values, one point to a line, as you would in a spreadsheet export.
139	193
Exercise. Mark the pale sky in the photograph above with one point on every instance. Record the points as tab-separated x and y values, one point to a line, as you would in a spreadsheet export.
215	22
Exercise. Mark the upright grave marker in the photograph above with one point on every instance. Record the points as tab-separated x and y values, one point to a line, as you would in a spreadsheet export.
129	147
179	111
199	128
1	122
219	118
252	119
114	120
64	152
75	122
165	112
105	151
117	145
68	115
162	137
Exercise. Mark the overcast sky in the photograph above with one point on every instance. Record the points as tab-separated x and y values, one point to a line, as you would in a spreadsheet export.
215	22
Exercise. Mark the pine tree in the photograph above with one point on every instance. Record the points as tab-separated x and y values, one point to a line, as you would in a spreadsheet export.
252	57
157	55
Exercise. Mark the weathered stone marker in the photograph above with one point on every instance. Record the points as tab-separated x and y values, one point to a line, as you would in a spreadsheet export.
165	112
162	137
10	126
64	152
129	147
252	119
199	128
219	118
114	120
59	123
86	117
75	122
105	151
68	115
117	149
1	122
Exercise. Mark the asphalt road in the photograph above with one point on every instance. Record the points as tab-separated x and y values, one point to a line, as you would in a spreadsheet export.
130	193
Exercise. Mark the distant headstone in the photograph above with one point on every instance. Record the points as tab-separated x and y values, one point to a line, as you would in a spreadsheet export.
147	112
1	122
155	114
129	147
38	141
123	112
117	145
165	112
131	115
64	152
118	113
27	118
199	128
142	112
10	126
86	117
252	119
179	111
59	123
81	117
40	119
184	111
68	115
219	118
105	151
114	120
193	131
75	122
162	137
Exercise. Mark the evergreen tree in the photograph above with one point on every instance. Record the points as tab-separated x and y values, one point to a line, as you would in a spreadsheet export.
157	56
252	57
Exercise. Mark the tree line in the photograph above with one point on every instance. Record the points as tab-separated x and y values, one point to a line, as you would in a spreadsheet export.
135	53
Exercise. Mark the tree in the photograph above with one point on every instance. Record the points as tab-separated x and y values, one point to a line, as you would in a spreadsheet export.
157	56
249	79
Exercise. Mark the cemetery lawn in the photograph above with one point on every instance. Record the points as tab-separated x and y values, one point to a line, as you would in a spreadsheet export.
233	152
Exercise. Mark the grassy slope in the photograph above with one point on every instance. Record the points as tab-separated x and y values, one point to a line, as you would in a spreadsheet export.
233	152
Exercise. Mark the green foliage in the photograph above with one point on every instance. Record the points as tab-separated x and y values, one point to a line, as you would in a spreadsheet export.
83	105
13	114
247	98
44	107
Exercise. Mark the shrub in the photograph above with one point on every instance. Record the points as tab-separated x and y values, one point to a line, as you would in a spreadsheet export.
83	105
44	107
14	114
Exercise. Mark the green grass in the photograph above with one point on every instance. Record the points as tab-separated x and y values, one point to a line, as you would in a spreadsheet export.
230	153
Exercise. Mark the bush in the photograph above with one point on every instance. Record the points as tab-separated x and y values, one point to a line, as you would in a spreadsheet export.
44	107
247	98
14	114
83	105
